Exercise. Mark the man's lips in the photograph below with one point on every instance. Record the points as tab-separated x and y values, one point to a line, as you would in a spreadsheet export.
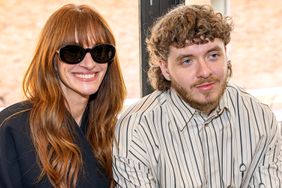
205	86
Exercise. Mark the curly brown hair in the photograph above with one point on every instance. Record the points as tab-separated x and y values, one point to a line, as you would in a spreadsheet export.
197	24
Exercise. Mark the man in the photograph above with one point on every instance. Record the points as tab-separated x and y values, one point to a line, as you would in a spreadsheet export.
196	129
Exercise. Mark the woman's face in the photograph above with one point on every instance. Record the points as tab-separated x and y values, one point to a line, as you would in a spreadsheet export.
82	79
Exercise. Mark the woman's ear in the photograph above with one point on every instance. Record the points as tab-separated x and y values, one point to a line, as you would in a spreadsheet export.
164	69
55	65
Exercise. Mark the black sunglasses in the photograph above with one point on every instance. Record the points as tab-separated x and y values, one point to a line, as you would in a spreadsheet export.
74	54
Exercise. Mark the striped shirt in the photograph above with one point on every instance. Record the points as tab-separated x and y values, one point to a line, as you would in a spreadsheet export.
163	142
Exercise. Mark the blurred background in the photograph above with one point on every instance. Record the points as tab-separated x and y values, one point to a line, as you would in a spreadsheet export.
255	47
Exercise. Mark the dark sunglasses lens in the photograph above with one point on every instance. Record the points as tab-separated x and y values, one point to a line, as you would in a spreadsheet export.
103	53
72	54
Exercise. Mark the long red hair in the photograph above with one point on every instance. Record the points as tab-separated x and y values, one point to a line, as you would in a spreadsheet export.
58	155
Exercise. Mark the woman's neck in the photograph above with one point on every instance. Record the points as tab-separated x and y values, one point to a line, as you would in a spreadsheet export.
77	108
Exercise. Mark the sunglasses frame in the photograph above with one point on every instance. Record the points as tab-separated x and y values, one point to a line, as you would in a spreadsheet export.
85	51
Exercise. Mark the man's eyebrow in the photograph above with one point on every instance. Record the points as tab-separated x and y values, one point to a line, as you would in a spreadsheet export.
181	56
187	55
216	48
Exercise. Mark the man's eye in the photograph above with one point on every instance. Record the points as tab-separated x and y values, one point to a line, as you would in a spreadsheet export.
213	56
187	61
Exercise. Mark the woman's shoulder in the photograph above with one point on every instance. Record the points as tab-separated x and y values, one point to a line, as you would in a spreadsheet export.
17	112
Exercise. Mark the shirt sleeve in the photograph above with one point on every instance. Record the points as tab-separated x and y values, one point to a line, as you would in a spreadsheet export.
268	174
132	163
10	175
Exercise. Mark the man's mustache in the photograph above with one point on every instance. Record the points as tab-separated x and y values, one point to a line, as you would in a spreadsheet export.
210	79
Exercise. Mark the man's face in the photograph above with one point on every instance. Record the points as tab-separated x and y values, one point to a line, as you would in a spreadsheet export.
198	72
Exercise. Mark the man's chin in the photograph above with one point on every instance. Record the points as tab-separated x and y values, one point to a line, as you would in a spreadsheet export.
204	102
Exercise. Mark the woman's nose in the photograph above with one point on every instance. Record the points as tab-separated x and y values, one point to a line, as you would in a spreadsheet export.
88	61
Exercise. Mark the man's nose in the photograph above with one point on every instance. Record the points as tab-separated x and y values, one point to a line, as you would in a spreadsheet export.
204	70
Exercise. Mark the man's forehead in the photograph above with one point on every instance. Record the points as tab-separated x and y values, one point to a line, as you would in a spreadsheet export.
201	46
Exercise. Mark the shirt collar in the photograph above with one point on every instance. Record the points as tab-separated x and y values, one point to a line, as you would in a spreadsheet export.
223	103
183	112
85	120
179	109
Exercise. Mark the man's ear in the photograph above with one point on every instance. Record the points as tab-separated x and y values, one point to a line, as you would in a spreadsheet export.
164	69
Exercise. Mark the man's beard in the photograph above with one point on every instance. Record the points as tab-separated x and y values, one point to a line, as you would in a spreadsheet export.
205	106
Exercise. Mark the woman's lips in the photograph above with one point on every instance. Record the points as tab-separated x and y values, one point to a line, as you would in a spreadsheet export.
86	77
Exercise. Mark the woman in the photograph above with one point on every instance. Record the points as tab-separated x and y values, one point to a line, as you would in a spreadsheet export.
61	136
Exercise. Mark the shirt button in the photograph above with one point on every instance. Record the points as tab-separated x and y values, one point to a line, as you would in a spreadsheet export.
242	167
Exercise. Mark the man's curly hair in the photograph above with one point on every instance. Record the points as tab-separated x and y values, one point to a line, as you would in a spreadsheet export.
196	24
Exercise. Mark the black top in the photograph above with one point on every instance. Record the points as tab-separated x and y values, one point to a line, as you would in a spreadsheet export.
18	166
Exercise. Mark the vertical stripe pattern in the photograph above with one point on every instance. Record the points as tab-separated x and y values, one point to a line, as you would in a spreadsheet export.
163	142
